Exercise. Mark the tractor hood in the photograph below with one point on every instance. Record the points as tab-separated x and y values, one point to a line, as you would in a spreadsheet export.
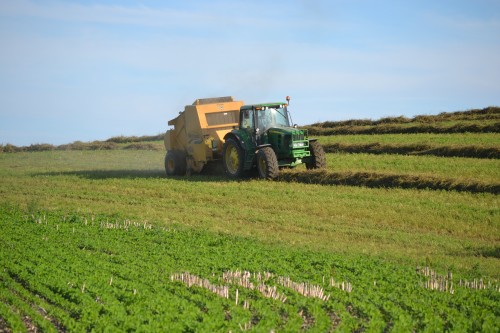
295	133
288	142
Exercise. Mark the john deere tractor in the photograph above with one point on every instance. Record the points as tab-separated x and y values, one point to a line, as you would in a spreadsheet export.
266	140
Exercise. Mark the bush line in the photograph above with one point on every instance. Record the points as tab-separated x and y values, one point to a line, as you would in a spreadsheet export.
131	139
95	145
489	113
415	149
402	129
380	180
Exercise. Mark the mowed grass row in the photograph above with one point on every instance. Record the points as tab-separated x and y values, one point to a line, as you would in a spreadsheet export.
486	114
476	175
472	121
460	169
441	151
452	139
489	126
384	180
474	145
446	228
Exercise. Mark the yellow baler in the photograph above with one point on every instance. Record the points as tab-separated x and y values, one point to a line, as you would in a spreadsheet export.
198	134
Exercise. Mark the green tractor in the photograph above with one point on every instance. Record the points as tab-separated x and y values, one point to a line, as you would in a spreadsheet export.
266	140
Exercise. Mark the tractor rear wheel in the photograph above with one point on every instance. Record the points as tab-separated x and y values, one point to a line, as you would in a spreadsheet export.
318	158
267	163
233	158
175	163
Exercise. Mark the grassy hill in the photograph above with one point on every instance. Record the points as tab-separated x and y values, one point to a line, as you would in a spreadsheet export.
96	238
485	120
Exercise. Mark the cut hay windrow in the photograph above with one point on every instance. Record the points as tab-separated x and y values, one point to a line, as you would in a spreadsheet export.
415	149
489	113
405	129
381	180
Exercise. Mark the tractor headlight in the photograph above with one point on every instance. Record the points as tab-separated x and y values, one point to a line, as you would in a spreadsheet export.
298	144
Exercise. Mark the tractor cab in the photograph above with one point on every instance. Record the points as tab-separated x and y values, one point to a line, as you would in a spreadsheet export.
257	120
266	140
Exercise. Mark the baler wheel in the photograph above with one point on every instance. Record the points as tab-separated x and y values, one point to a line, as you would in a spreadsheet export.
175	163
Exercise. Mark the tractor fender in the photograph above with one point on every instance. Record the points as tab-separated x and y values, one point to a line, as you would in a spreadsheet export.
313	139
236	138
262	146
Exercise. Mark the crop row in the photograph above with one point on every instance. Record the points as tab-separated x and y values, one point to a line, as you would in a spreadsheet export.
447	139
462	127
385	180
415	149
73	272
461	170
489	113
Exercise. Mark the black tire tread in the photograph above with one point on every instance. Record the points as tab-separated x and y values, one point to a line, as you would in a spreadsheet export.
179	159
318	157
272	168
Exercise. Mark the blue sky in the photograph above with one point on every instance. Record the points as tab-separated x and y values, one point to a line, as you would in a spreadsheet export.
90	70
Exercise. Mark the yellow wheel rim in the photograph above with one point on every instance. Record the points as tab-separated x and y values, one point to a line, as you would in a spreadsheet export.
232	160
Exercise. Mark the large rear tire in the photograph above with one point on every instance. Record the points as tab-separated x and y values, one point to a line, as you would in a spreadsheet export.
233	158
175	163
317	160
267	163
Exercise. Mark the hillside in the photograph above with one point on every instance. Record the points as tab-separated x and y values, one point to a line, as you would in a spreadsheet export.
485	120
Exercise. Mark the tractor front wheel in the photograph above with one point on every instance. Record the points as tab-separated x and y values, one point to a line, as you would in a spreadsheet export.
267	163
317	160
175	163
233	158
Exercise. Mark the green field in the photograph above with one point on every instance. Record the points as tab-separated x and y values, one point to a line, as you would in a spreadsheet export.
92	272
99	240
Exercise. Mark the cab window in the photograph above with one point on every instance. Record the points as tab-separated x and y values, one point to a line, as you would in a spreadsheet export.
247	119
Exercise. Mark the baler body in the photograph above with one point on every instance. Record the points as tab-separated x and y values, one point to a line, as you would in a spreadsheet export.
198	132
